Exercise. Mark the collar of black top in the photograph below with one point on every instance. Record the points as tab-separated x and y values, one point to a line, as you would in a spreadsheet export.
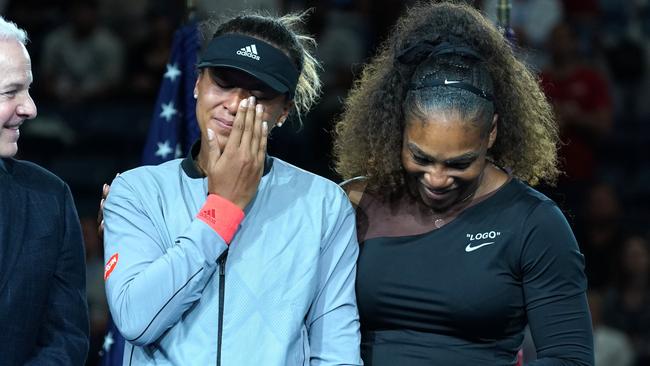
252	56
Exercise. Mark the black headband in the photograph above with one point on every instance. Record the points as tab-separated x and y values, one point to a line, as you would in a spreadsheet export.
255	57
452	84
423	50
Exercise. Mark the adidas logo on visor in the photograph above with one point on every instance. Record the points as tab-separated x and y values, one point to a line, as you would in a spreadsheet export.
249	51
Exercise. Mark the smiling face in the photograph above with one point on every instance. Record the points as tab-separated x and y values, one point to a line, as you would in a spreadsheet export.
219	92
16	105
445	158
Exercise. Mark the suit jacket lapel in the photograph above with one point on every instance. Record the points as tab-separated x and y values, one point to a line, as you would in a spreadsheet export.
13	199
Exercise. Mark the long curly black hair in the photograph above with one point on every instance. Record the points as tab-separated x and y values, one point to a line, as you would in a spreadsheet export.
369	133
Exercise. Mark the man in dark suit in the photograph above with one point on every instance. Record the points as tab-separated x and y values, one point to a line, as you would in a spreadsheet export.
43	311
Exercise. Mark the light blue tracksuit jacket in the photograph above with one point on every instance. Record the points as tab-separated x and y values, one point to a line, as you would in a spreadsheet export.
286	281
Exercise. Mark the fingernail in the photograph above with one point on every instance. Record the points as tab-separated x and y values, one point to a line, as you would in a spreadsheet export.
101	202
104	187
251	100
265	126
243	103
259	108
117	175
210	134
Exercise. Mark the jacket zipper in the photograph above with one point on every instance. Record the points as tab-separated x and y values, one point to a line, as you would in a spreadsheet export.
222	285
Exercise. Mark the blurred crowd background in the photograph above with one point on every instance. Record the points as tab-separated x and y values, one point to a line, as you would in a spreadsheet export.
98	65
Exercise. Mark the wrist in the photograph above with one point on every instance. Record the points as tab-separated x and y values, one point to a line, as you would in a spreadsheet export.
222	215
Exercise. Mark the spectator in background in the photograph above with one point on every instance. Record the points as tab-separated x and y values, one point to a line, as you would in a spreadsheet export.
125	17
148	58
627	306
580	96
81	61
346	26
611	346
43	313
532	22
584	17
622	28
599	231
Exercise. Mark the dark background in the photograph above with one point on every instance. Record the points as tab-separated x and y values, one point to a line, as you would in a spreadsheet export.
93	117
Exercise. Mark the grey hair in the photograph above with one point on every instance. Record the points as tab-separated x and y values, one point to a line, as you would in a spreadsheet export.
9	30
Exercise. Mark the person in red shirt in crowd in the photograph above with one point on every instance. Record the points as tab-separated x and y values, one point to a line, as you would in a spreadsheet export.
581	98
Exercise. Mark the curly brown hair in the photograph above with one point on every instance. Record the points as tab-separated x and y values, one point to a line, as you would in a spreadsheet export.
369	133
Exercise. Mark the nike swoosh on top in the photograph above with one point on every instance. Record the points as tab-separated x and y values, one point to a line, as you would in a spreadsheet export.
470	248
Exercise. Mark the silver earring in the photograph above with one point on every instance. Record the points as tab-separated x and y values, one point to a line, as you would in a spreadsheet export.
196	95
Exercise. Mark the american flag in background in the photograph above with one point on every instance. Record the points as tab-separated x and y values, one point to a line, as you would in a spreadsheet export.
172	131
173	126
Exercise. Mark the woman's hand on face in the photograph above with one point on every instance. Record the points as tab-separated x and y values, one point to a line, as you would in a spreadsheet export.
235	172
